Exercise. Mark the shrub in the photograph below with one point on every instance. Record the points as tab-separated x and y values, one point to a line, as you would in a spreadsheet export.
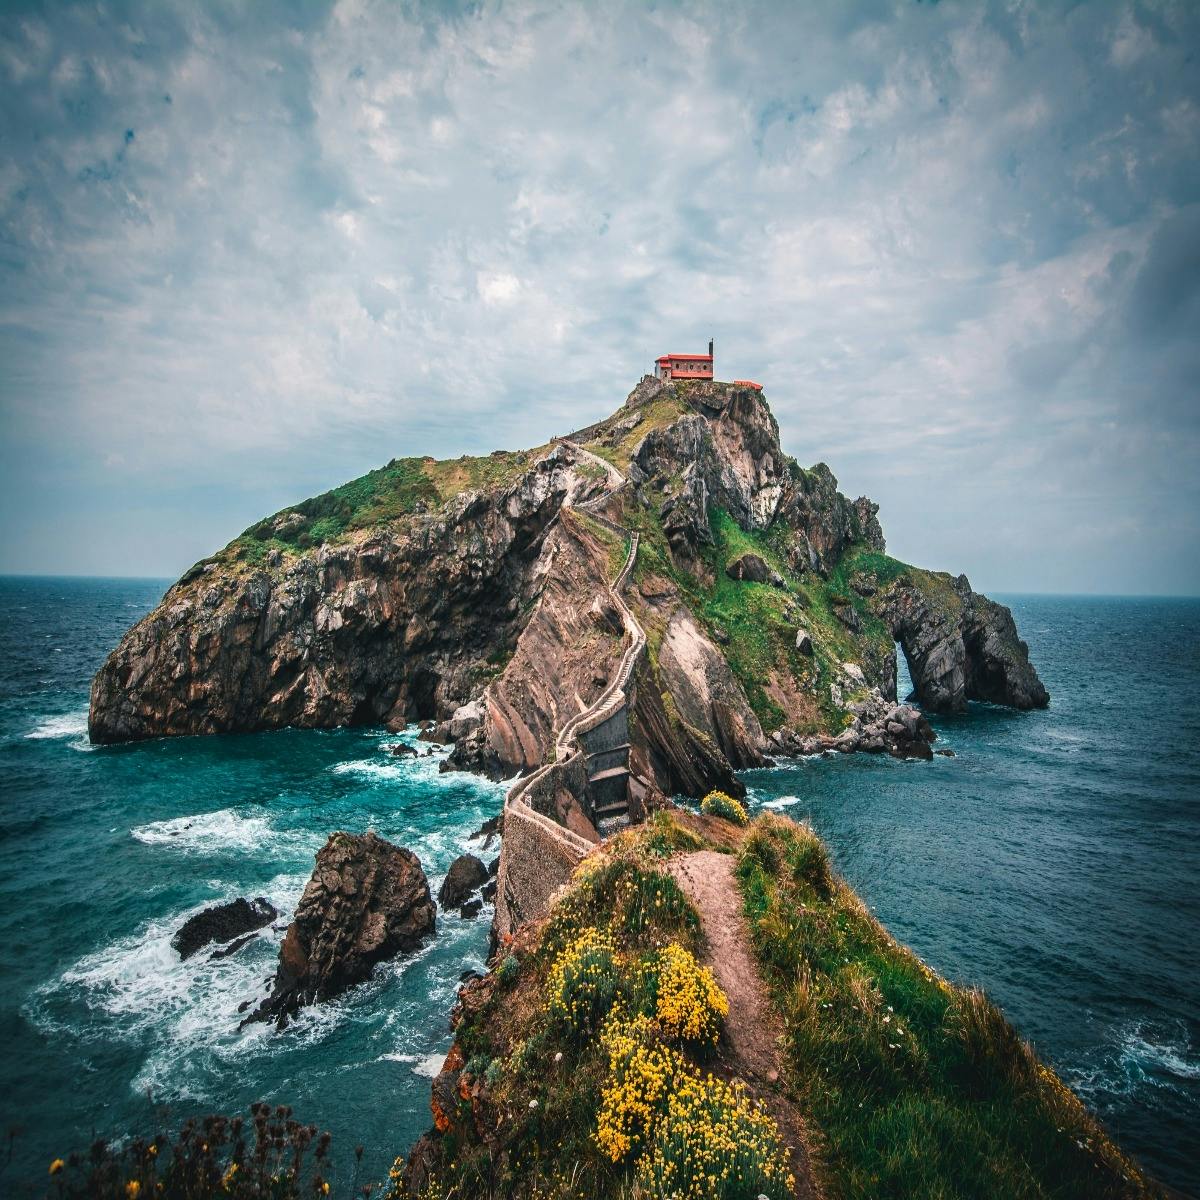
719	804
690	1005
508	970
584	981
714	1142
809	861
642	1075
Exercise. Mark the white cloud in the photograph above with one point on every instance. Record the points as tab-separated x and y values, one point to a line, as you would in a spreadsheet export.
921	227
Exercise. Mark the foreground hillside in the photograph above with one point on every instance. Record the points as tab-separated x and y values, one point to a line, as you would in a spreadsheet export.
712	1012
465	592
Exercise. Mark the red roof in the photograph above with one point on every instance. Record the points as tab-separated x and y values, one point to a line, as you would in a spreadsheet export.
689	357
747	383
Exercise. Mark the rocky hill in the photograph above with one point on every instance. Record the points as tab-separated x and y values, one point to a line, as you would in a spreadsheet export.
471	592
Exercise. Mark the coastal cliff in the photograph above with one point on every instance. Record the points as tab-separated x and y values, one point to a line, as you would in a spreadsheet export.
470	592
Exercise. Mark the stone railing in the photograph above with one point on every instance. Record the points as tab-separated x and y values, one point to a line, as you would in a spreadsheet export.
538	854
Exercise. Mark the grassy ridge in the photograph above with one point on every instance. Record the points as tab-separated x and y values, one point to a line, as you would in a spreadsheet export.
918	1088
378	499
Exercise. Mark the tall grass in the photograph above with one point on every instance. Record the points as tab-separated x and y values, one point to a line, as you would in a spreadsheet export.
918	1088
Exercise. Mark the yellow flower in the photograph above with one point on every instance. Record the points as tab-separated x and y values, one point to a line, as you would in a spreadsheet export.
132	1188
325	1188
690	1003
56	1166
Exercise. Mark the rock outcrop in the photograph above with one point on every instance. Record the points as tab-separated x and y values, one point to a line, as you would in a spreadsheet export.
959	645
395	624
367	901
223	923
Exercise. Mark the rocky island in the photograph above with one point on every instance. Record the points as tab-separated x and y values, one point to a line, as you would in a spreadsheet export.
444	591
676	1004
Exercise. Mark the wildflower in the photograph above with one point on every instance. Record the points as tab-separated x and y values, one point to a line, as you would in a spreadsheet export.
56	1166
533	1104
325	1187
558	1057
132	1188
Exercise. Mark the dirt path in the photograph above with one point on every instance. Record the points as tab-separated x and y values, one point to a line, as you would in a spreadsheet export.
751	1052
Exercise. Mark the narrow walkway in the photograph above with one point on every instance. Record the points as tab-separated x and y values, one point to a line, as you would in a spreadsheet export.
754	1032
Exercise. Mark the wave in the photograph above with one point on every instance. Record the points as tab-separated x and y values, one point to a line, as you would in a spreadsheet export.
1138	1054
207	833
65	725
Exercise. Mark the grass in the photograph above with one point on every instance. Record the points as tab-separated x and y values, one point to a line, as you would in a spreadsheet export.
377	500
567	1094
917	1087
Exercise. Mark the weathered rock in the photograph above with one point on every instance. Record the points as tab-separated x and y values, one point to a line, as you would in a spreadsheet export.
804	642
959	645
402	750
752	568
467	874
471	908
223	923
366	902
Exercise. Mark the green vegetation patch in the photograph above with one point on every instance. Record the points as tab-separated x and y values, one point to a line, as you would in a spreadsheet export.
588	1066
919	1088
378	499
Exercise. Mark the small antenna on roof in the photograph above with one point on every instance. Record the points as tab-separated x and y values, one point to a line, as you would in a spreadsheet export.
710	344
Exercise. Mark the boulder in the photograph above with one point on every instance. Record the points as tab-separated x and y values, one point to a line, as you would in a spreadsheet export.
223	923
752	568
804	642
402	750
472	908
466	720
467	874
367	901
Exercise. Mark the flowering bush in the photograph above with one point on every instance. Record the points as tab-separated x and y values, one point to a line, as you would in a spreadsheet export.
714	1142
690	1005
584	981
642	1073
719	804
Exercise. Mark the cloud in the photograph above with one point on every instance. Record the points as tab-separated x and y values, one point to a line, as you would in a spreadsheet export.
956	243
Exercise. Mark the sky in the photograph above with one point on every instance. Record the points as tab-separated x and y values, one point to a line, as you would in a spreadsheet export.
249	251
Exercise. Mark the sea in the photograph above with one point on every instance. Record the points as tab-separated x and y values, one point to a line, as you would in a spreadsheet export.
1054	860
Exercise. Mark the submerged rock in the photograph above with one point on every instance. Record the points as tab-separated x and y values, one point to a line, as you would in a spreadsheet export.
223	923
467	874
366	902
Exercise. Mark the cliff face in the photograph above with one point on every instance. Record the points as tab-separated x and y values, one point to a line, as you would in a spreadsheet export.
474	593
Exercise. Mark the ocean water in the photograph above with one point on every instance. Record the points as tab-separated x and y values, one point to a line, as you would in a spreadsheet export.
1054	861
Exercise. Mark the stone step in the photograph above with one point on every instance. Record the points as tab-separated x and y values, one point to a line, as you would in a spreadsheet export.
616	809
611	773
610	750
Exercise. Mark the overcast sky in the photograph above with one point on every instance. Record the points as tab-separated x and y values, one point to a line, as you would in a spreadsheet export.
249	251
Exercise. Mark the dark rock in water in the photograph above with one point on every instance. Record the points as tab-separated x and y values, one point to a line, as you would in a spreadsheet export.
488	891
753	569
402	750
945	753
222	923
233	947
494	867
466	875
491	829
472	908
366	902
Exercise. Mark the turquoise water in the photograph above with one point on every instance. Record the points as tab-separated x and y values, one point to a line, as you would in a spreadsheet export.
1053	860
